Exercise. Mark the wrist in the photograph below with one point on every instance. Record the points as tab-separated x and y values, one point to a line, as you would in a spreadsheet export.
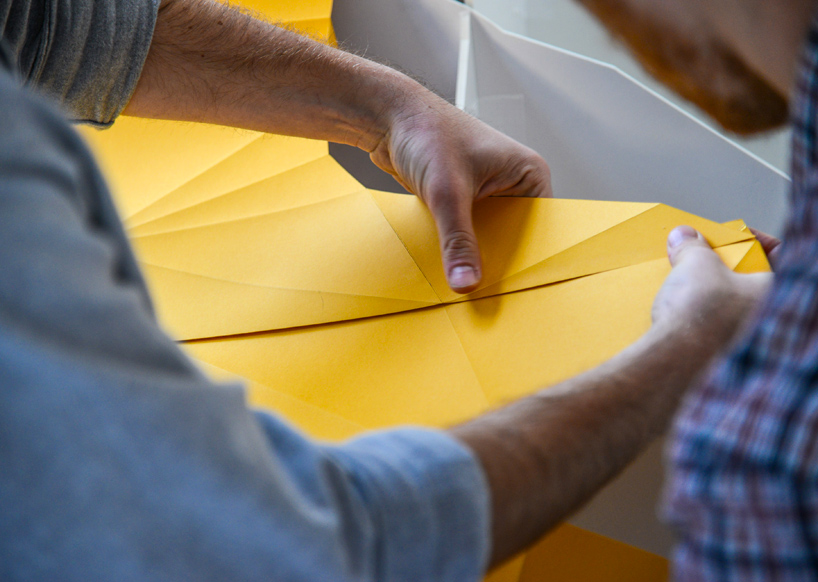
383	99
713	324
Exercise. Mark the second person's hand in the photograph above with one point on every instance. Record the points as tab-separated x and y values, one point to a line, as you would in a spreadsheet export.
702	294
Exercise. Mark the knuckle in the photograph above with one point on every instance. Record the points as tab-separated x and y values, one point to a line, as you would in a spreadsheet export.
459	244
444	189
694	252
535	177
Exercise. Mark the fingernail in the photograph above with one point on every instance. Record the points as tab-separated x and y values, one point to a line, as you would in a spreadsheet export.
461	277
679	235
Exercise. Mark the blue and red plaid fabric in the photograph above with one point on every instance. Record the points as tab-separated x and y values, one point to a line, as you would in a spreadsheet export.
743	461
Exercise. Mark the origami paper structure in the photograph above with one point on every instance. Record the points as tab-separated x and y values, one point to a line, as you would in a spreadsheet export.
275	264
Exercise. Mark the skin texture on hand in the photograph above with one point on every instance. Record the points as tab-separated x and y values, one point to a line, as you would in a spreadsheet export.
547	454
214	64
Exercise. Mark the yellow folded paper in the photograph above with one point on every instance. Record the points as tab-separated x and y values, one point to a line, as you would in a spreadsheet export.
440	365
265	157
445	363
272	265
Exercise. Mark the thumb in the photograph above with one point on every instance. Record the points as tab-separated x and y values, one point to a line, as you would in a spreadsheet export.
681	241
458	245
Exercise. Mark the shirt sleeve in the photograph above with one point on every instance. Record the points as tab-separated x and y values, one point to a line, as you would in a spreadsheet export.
121	461
421	497
86	55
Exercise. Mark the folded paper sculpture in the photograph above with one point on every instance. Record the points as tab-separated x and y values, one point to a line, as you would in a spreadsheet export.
428	362
271	262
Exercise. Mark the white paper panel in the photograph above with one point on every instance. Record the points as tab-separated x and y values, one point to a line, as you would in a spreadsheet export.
608	138
417	36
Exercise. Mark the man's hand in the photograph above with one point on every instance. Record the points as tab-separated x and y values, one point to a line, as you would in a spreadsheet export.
702	292
450	159
211	63
545	455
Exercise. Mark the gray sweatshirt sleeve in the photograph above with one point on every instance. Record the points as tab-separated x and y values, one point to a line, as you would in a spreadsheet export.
84	54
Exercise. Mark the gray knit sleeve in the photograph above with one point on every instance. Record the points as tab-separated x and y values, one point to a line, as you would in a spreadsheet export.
85	54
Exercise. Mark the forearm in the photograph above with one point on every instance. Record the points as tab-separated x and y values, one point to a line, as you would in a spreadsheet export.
547	454
211	63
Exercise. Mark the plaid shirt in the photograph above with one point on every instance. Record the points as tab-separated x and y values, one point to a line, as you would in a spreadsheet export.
743	491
